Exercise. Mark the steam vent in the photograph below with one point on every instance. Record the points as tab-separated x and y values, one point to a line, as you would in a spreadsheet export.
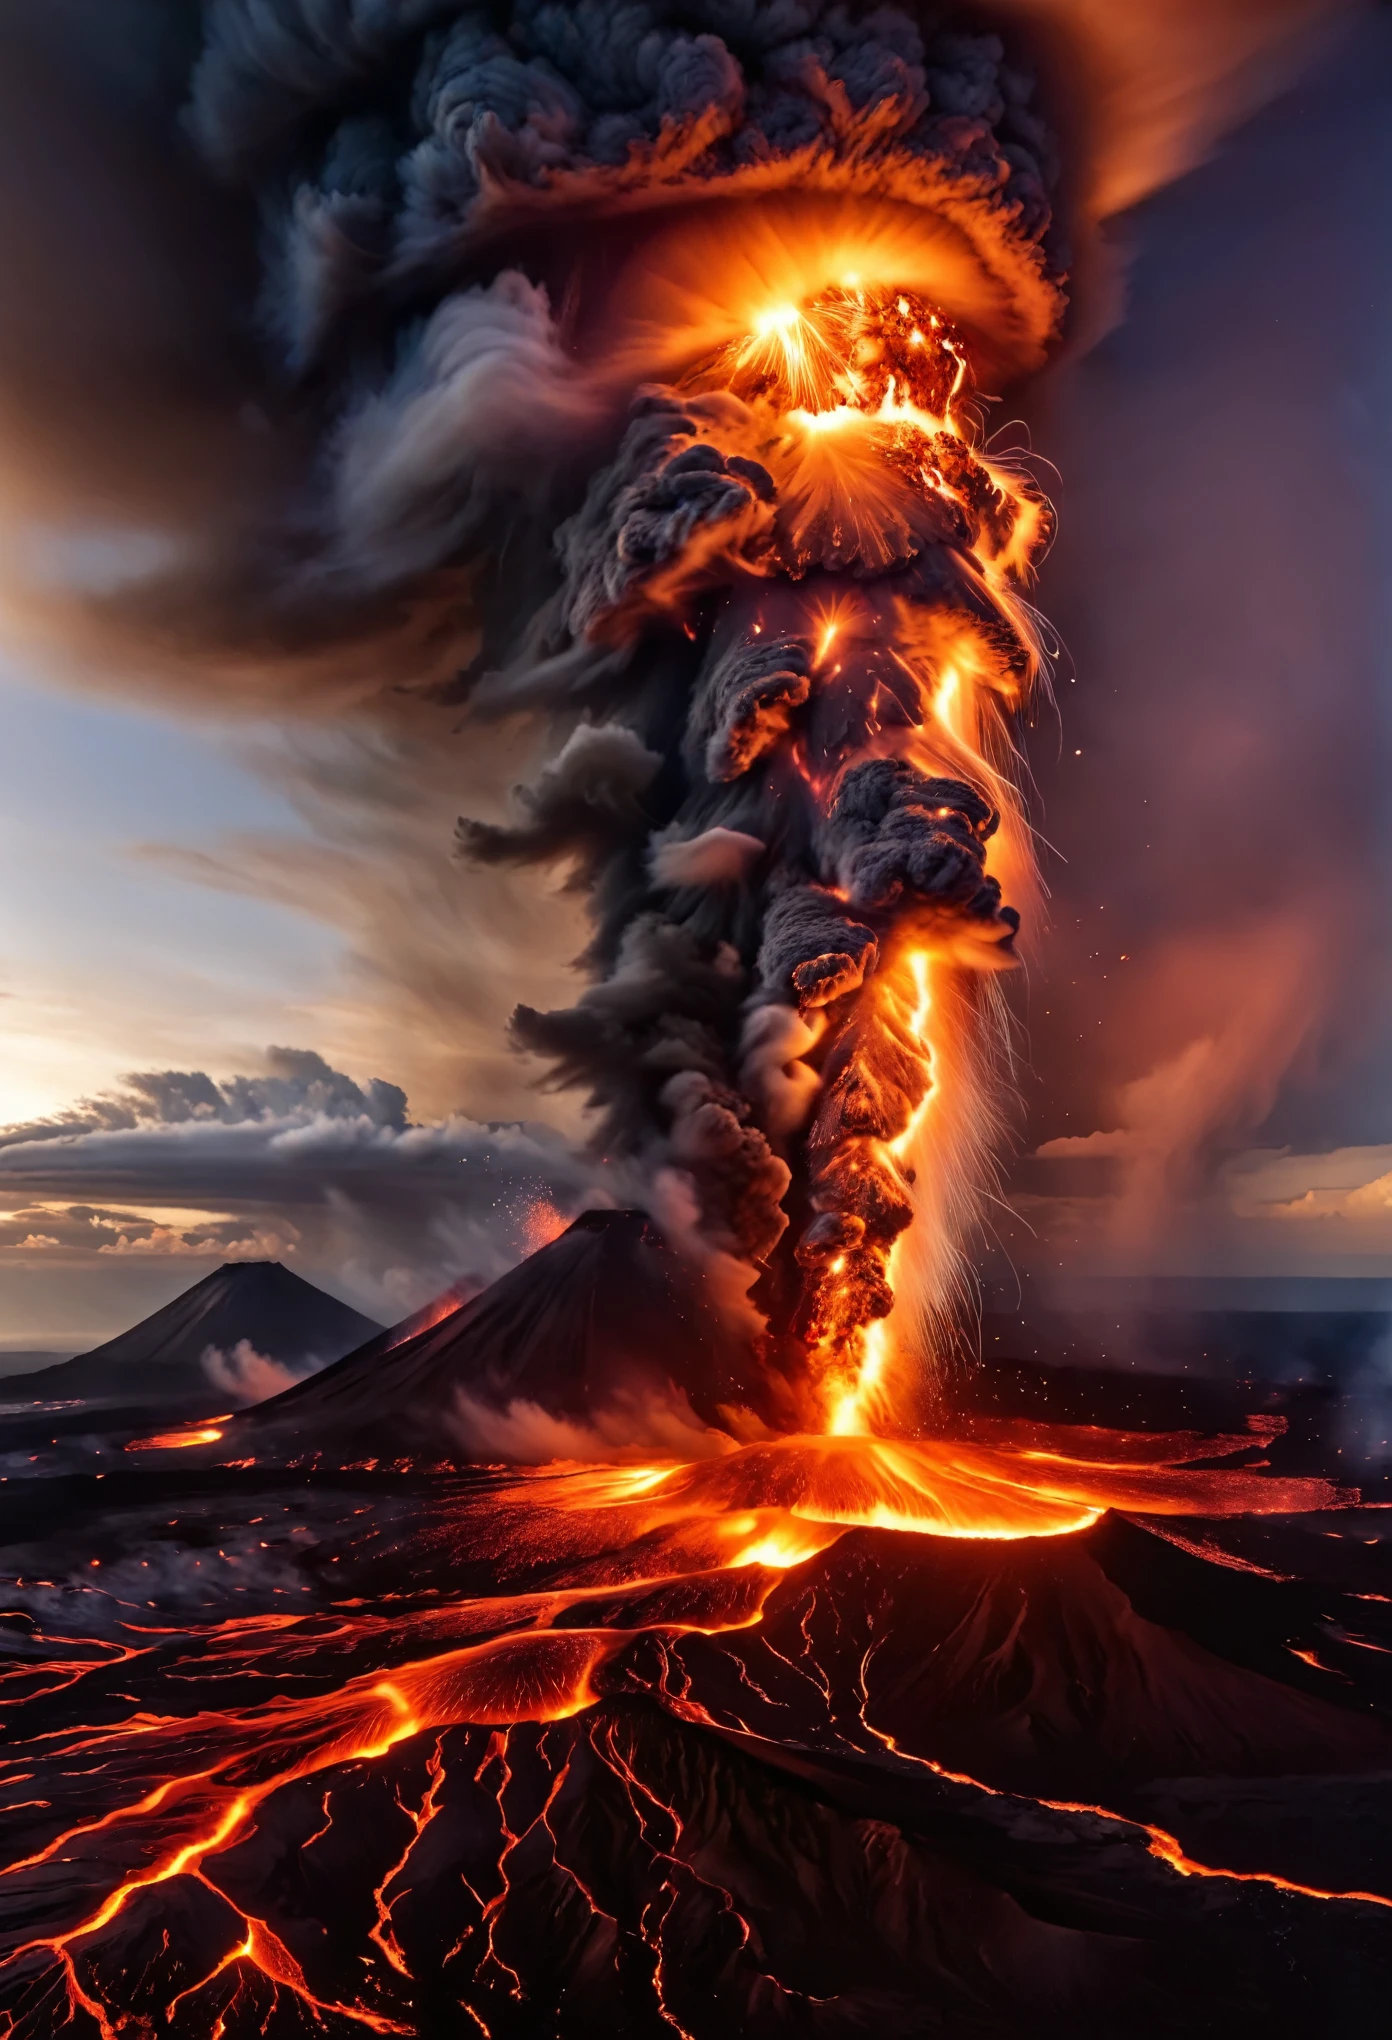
597	410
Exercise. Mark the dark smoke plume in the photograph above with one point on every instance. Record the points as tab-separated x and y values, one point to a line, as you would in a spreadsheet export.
753	832
425	367
509	423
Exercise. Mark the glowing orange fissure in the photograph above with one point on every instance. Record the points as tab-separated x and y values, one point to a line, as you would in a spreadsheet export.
863	398
175	1441
719	1533
1160	1843
544	1677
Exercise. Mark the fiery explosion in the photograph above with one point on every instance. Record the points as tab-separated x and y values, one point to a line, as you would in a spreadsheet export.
863	408
848	560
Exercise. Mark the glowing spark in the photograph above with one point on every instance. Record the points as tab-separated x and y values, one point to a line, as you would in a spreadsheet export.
173	1441
946	698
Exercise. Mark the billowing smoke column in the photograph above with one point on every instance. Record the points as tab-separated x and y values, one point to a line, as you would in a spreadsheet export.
650	333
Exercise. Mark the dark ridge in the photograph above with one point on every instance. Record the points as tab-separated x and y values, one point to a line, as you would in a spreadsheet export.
19	1362
161	1359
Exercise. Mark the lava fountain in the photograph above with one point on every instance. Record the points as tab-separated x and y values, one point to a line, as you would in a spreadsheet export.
800	588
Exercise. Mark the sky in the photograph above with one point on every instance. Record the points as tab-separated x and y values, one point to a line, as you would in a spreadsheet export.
1208	1082
1214	987
109	960
140	937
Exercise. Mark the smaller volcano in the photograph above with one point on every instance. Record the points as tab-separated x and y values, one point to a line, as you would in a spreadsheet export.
604	1324
256	1305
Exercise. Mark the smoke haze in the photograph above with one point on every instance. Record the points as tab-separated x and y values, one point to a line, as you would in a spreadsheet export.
1217	791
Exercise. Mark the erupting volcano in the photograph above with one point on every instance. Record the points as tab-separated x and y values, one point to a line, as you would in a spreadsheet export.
796	1011
802	576
664	1641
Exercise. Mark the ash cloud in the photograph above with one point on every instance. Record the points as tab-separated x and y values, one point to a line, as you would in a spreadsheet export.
438	951
314	373
299	1162
248	1376
348	468
525	1434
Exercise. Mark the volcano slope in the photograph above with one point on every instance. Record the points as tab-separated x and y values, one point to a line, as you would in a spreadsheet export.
160	1360
605	1323
1034	1728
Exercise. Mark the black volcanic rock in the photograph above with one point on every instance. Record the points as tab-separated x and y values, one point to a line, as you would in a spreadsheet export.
607	1317
160	1360
794	1805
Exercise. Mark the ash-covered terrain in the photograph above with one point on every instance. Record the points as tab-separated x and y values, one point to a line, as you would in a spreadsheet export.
1030	1723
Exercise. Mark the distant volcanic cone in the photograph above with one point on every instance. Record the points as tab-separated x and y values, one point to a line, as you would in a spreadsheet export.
601	1339
202	1344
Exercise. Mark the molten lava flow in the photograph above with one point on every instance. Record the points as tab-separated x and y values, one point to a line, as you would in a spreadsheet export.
797	1494
631	1561
863	1396
174	1441
1165	1847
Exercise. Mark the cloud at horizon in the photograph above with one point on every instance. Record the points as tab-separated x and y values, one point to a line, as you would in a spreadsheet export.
297	1162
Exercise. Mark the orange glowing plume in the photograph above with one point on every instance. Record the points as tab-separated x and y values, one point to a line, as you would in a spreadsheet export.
859	402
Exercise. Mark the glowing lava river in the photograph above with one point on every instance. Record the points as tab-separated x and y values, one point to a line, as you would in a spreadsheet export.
812	1733
633	365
